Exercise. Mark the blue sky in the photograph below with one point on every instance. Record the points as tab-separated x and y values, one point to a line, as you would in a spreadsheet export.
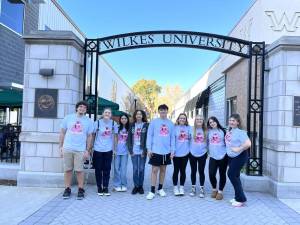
166	65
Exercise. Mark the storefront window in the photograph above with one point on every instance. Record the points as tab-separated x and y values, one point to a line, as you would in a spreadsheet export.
231	107
12	14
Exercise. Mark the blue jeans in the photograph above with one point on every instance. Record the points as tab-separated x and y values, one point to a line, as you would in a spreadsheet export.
234	171
120	167
138	165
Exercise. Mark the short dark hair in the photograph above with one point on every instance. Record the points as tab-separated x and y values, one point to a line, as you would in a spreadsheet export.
81	103
163	107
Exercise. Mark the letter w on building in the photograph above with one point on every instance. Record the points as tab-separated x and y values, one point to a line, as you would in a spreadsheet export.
290	25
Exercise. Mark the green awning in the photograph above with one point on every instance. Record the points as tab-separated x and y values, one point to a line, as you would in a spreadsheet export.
104	103
11	98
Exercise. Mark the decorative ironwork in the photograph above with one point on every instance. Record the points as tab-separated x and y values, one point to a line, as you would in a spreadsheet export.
253	51
9	143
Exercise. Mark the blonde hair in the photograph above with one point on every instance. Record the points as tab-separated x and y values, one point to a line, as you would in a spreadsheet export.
186	119
203	126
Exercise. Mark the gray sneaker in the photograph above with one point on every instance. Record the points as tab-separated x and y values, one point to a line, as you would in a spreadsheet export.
193	191
201	194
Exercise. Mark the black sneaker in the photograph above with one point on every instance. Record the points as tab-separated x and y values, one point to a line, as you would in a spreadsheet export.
100	191
141	190
80	194
106	192
67	193
135	190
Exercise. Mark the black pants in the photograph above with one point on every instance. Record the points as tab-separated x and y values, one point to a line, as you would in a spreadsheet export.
214	166
234	171
102	164
201	161
179	164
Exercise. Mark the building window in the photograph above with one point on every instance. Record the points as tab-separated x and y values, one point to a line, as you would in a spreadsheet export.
205	112
231	107
12	14
192	114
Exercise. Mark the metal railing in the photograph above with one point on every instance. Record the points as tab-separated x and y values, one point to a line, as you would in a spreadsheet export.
9	143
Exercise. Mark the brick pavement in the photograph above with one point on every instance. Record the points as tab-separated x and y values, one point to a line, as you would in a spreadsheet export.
123	208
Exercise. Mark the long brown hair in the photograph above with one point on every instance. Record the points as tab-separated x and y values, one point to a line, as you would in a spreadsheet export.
203	126
186	120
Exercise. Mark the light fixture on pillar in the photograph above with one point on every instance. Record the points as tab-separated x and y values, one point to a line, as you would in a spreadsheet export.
47	72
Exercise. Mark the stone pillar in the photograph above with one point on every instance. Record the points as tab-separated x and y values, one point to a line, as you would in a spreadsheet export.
281	139
41	164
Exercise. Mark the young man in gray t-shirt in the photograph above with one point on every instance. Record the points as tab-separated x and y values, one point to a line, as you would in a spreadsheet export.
75	143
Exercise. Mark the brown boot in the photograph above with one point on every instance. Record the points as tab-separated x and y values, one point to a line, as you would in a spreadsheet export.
219	196
214	194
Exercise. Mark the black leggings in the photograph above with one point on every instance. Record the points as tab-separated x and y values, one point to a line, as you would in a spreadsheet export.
179	164
102	164
201	161
214	165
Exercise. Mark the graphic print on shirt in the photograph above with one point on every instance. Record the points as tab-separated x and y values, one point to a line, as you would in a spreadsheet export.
106	133
215	139
183	136
228	137
199	138
77	128
164	130
137	134
123	135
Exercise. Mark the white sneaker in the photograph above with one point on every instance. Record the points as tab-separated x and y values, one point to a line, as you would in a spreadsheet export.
161	193
201	194
176	191
232	201
123	188
237	204
181	190
118	189
193	191
150	196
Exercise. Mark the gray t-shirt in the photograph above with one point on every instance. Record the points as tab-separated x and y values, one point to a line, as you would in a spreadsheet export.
235	138
104	138
182	140
199	143
137	138
77	129
122	142
216	144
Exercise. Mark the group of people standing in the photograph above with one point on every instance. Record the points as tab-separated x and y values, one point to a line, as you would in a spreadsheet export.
162	142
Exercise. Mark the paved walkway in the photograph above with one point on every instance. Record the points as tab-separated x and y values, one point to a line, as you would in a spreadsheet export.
123	208
19	203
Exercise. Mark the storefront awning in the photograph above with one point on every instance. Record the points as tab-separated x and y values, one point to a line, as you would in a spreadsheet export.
191	104
203	99
104	103
11	98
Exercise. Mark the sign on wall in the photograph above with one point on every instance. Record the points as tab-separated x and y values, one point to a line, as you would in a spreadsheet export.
45	105
296	111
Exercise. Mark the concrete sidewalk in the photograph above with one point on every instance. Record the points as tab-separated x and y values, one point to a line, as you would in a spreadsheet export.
18	203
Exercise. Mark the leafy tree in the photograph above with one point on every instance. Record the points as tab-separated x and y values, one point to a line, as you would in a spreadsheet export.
148	91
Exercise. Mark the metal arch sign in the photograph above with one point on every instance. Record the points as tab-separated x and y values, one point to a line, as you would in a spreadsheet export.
185	39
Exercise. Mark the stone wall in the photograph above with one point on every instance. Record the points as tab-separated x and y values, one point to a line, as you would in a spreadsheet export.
281	150
41	164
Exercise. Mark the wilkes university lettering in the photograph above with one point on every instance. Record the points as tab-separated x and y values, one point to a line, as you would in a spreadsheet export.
120	42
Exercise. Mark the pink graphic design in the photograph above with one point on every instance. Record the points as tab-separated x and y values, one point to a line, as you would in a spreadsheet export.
106	133
137	134
164	130
182	136
215	139
77	128
199	138
123	137
228	137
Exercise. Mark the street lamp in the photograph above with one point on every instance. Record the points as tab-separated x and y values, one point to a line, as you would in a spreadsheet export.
135	103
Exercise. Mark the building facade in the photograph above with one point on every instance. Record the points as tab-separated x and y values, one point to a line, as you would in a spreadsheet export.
277	23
